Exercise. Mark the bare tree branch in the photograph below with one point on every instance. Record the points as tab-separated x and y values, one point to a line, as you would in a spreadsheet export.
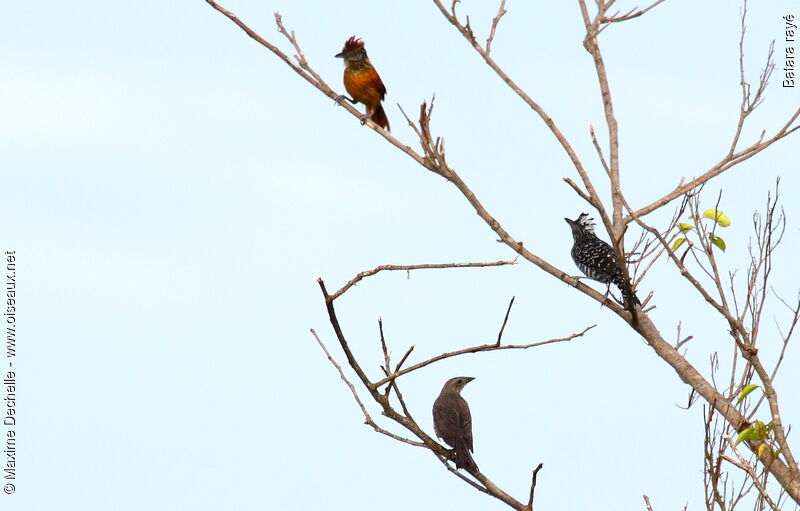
367	418
466	31
409	267
485	486
748	105
533	484
633	13
478	349
782	464
505	320
501	11
744	465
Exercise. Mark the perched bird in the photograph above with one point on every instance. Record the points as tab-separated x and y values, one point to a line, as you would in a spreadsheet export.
594	256
453	422
362	81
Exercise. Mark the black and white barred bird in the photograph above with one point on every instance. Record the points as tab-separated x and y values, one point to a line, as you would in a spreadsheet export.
595	257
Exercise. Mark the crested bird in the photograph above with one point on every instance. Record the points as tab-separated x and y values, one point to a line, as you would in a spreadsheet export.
362	82
595	257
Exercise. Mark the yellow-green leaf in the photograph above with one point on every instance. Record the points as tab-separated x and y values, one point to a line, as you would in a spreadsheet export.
758	431
719	242
747	434
718	216
677	243
745	392
685	227
762	430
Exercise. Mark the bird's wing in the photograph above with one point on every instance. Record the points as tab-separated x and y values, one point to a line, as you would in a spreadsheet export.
379	84
447	421
437	417
466	425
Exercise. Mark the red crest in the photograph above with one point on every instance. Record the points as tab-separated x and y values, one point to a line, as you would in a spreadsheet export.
352	44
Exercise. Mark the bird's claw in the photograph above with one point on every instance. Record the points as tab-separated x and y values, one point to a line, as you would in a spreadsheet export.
339	100
363	119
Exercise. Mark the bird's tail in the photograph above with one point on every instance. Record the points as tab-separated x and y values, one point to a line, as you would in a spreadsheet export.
463	457
379	117
635	299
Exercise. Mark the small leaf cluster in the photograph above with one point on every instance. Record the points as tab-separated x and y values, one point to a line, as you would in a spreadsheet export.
718	217
758	430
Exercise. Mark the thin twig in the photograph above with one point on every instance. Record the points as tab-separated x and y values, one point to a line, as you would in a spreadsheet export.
599	151
505	320
592	202
367	418
630	15
409	267
466	31
726	163
403	359
788	335
744	465
387	371
458	474
680	342
383	347
500	13
300	56
477	349
533	485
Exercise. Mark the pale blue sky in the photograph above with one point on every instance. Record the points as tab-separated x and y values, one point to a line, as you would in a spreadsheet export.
172	192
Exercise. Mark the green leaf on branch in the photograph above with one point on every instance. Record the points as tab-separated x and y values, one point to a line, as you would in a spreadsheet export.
758	431
716	240
718	216
685	227
677	243
747	434
745	392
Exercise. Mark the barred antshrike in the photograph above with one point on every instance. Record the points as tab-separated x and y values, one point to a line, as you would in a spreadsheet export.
363	82
595	257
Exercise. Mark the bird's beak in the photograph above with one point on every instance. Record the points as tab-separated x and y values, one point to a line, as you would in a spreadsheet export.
570	222
339	55
469	379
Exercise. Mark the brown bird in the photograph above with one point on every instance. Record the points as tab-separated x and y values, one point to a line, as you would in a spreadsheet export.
363	82
453	422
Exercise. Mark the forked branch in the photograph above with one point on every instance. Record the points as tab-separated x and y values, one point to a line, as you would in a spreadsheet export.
404	418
